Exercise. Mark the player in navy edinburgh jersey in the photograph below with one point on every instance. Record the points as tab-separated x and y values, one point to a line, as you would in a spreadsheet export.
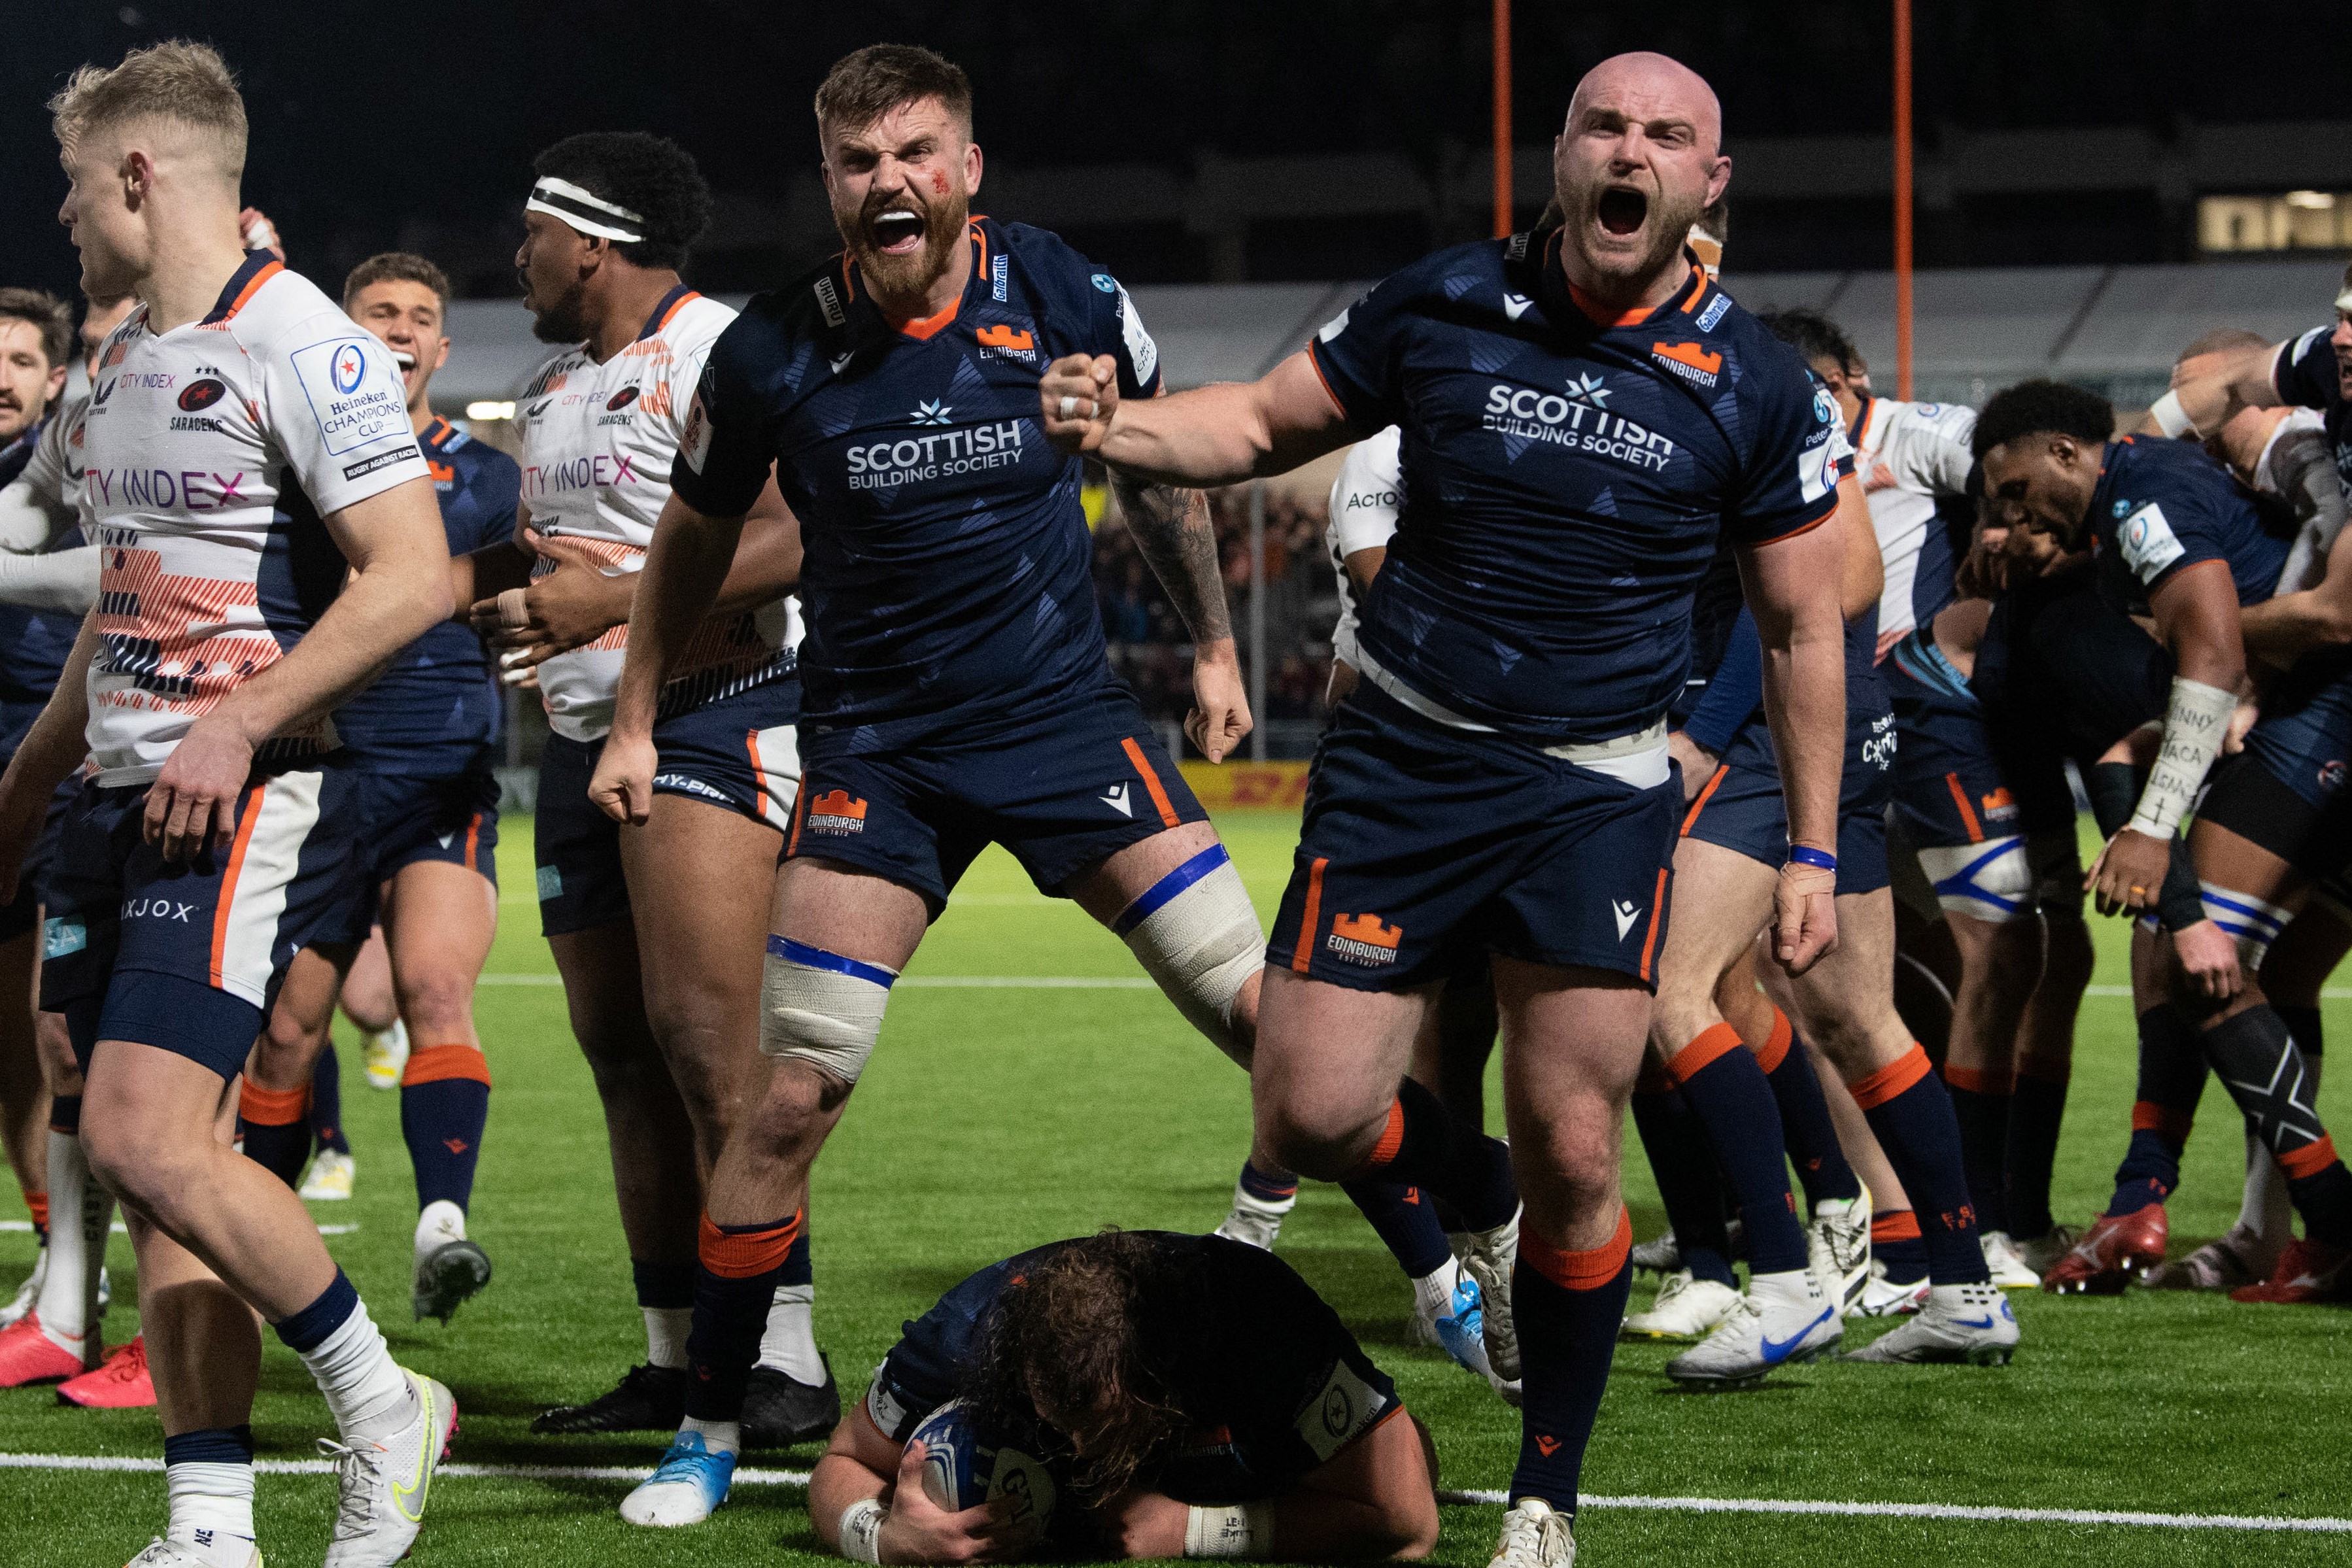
2178	542
957	686
1166	1396
1583	417
423	733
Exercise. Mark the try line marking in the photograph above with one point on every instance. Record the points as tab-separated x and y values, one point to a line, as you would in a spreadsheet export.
1653	1504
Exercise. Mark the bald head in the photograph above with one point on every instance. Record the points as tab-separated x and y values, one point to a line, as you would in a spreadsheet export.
1638	161
1650	88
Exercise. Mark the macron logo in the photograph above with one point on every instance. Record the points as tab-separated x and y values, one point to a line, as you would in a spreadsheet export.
1515	305
1116	798
1626	915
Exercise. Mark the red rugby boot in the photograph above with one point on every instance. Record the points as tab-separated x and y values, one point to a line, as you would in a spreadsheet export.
2116	1249
2307	1271
29	1356
123	1384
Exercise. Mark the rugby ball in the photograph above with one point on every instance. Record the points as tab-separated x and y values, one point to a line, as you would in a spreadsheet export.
959	1471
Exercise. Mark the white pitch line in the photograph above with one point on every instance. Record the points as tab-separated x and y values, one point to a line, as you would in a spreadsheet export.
764	1478
966	981
121	1229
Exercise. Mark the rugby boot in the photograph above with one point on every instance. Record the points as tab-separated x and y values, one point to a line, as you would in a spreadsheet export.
1534	1536
1887	1298
1686	1308
2307	1271
123	1383
27	1355
1489	1258
686	1488
2230	1260
1969	1323
383	1484
780	1410
2007	1269
1784	1318
1837	1246
647	1399
1660	1254
2116	1249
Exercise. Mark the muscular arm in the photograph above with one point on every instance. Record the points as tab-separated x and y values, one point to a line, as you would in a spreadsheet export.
1217	435
2213	387
2197	617
1173	530
1863	572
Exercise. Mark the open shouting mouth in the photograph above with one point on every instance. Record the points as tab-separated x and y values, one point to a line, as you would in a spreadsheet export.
897	232
1621	209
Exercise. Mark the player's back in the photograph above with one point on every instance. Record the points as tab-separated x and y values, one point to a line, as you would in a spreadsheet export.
1912	457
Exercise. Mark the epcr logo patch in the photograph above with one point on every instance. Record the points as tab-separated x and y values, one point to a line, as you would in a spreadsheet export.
349	364
2123	508
2331	774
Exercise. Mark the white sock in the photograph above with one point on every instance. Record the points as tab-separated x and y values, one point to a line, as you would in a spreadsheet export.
1270	1208
2264	1208
211	1509
68	1299
441	1222
788	1344
366	1392
1793	1288
1433	1293
718	1436
666	1329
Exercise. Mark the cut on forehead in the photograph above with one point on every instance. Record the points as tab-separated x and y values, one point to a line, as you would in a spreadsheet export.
1647	86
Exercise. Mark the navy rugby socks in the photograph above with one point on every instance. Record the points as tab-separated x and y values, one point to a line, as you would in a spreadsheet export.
445	1101
2035	1113
326	1116
1805	1125
735	1278
1688	1184
1724	1084
1912	1118
1981	1103
276	1128
1567	1306
2171	1081
1405	1221
2263	1072
1427	1146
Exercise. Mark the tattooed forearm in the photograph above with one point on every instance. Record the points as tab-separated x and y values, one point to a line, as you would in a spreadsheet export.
1171	527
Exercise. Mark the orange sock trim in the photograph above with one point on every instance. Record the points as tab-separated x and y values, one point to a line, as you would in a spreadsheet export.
1587	1270
746	1254
1902	1224
1775	1048
1384	1152
2308	1161
2046	1069
435	1063
273	1107
1978	1082
1715	1041
2150	1116
39	1204
1893	1078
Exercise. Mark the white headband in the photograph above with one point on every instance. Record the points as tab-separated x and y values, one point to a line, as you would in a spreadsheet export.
584	211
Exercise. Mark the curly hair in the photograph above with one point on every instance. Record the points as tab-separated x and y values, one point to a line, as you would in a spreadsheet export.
1065	1362
1811	334
2032	408
651	175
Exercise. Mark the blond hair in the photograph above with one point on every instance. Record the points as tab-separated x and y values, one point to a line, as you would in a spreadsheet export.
186	84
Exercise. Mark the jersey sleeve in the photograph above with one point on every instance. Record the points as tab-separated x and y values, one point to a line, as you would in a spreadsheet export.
1793	467
2305	372
723	454
1360	352
1116	328
1304	1389
1368	493
337	412
2166	536
1937	460
498	492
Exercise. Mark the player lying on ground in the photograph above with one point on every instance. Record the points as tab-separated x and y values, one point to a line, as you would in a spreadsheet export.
1134	1393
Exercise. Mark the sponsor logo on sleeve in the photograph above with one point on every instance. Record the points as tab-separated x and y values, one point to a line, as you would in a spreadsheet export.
1714	312
381	460
353	408
2148	543
1140	350
695	444
999	275
1343	1410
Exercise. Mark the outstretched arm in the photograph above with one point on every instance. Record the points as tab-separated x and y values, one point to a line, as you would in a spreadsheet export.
1173	529
1217	435
2208	388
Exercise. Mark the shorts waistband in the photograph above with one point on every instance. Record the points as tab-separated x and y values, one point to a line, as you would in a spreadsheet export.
1638	759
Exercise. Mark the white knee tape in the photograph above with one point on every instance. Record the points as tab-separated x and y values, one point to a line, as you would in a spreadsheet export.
1992	881
2253	925
1197	935
821	1007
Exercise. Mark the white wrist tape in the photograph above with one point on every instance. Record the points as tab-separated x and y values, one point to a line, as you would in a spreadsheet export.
860	1532
2171	417
1242	1529
2194	723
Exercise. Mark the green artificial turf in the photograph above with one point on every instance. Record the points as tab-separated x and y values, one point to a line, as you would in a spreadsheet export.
994	1119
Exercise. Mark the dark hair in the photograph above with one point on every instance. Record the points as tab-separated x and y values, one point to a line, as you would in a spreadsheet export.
652	177
1069	1335
52	316
1811	334
867	84
396	267
2034	406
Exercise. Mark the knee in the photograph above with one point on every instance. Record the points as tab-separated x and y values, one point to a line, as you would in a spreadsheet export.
438	1005
1319	1138
282	1057
139	1163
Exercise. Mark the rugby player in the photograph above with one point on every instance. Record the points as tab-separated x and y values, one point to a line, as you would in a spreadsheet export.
1182	1395
47	567
958	688
214	832
423	735
656	933
1501	775
2180	542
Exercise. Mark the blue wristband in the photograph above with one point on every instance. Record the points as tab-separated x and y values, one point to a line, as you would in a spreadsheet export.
1806	855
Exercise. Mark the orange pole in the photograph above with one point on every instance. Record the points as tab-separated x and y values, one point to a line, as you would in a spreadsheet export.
1502	119
1902	199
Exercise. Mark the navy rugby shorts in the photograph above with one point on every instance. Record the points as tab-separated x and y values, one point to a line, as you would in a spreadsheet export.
451	819
1425	844
1741	806
188	958
20	914
737	753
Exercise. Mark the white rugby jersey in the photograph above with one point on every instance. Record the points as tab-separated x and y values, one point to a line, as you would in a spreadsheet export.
1907	454
210	454
1366	499
598	440
56	469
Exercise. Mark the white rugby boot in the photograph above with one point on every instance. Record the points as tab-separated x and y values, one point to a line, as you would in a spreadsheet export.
1256	1221
2007	1269
1885	1298
1785	1318
1837	1247
383	1484
28	1292
1534	1536
165	1552
1686	1308
332	1174
386	1056
1969	1323
1489	1258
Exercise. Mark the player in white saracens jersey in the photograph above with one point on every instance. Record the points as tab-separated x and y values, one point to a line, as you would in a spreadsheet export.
246	447
656	933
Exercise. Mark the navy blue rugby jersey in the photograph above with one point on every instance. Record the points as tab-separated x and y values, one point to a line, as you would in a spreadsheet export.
1566	481
946	557
2162	506
2307	373
436	710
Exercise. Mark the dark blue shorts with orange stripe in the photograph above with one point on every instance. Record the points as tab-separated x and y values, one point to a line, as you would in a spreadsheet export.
1742	808
188	958
1424	844
737	753
1950	789
1064	789
450	820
